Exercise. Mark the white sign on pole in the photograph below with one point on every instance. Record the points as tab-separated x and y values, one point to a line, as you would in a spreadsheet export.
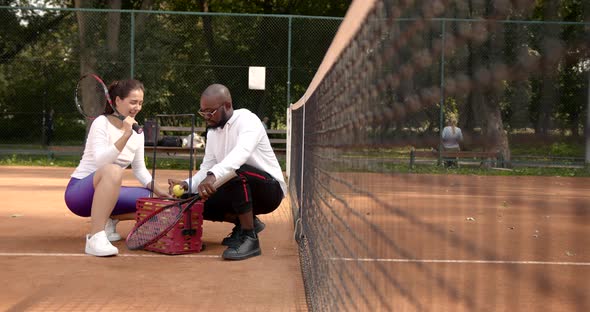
256	77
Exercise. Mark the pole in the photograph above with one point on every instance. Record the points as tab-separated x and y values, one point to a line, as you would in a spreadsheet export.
289	63
442	92
132	47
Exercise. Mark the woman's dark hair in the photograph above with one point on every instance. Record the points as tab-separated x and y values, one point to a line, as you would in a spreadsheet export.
121	89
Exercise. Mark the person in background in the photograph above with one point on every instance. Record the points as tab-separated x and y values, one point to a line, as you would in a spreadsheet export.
48	126
451	138
265	122
236	140
95	189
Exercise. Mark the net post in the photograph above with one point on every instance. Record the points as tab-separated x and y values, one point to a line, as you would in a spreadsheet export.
289	61
587	127
442	90
288	147
132	47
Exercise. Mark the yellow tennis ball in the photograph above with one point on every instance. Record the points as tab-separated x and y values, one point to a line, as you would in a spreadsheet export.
177	190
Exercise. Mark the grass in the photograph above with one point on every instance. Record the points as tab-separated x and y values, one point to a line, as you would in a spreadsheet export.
369	157
39	160
72	161
520	171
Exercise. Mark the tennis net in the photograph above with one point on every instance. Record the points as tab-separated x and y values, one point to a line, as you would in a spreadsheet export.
391	216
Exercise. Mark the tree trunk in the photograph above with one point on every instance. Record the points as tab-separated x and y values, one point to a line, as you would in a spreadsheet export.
140	18
113	29
495	132
520	97
208	32
87	56
468	117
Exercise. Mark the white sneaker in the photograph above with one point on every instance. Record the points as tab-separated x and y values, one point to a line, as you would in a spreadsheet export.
99	245
111	229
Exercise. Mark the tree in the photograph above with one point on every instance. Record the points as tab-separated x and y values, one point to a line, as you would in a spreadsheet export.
19	32
549	47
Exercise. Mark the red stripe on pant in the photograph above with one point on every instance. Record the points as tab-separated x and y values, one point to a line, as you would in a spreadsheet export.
261	177
245	188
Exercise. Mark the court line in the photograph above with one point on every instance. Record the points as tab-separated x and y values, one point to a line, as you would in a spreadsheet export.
38	254
50	254
461	261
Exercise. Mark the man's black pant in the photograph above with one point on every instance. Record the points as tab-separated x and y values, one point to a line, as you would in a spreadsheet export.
253	189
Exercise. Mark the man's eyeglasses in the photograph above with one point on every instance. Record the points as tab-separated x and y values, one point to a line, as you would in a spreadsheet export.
208	114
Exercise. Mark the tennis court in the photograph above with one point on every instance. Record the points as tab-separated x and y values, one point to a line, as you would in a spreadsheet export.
44	267
468	244
429	256
361	230
374	236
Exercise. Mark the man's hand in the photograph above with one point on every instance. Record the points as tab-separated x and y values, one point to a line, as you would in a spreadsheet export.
206	188
173	182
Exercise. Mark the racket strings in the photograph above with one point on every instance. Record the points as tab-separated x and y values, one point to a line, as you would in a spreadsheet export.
158	223
91	97
154	226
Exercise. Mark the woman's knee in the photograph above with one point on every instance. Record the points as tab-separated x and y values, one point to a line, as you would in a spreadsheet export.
110	173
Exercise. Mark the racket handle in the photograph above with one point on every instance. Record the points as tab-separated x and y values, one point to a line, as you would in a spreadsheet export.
137	128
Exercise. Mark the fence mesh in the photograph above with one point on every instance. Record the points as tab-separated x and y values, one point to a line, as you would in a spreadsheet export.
176	55
390	215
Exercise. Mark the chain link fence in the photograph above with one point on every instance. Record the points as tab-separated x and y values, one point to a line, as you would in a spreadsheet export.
176	55
527	78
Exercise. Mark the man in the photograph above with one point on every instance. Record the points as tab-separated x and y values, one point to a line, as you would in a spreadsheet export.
236	140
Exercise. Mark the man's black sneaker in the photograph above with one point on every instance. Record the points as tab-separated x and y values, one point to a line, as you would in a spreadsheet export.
248	247
233	238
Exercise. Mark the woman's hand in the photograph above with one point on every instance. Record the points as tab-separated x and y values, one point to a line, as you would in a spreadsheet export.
161	192
128	123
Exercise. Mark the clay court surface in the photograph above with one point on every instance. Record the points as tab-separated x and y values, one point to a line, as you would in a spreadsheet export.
44	267
460	242
456	243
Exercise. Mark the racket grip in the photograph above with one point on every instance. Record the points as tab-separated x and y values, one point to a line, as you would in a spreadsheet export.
137	128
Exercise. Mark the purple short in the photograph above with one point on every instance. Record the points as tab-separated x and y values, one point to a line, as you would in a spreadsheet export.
80	192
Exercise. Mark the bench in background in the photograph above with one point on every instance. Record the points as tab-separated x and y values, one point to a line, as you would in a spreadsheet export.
458	155
278	140
177	151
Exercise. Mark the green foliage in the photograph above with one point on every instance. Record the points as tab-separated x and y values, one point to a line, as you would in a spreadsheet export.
566	149
558	146
451	109
176	56
522	171
38	160
305	7
73	161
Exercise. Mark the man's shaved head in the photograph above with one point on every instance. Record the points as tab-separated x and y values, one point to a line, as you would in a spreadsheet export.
217	91
216	105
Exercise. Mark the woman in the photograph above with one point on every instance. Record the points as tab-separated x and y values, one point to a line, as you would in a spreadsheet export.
95	189
451	137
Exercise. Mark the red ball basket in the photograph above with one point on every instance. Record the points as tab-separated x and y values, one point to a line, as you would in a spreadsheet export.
184	237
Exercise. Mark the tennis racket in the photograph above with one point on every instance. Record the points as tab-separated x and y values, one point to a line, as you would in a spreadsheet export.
92	98
159	222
